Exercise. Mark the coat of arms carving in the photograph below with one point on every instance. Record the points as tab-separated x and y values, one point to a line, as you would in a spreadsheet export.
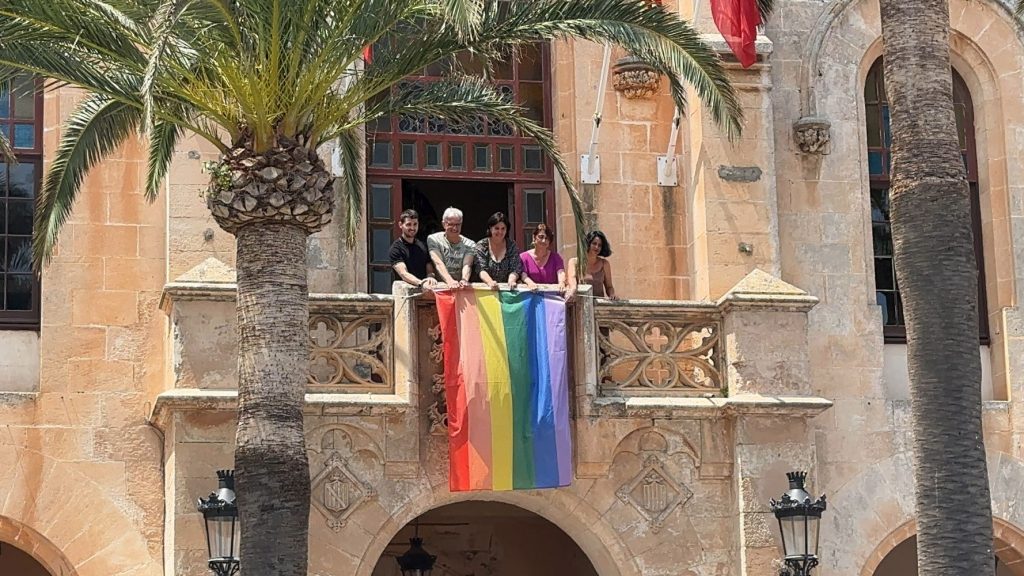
337	490
652	491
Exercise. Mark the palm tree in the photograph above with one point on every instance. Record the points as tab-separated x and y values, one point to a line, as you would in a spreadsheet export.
267	82
937	275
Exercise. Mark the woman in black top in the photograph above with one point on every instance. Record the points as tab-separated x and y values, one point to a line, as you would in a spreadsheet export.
497	256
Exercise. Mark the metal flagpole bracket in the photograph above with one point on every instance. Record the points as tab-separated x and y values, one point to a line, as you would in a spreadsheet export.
590	169
590	163
668	166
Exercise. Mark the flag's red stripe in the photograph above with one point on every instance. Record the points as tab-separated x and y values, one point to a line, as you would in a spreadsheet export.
455	394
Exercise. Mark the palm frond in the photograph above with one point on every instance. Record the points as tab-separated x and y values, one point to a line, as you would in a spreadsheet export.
765	8
96	127
163	137
1018	10
350	156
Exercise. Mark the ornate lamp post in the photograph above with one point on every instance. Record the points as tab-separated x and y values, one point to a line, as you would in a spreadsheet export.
221	517
416	561
799	519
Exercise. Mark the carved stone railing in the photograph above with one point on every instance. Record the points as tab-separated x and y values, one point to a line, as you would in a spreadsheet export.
351	344
661	348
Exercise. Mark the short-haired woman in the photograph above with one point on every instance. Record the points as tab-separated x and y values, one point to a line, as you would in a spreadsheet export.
497	257
542	264
598	272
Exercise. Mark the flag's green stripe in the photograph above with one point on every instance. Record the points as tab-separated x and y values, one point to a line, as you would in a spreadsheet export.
514	306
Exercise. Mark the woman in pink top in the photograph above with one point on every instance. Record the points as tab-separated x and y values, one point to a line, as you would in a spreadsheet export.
541	264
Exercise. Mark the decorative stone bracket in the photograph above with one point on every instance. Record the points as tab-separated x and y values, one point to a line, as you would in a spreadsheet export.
634	78
813	135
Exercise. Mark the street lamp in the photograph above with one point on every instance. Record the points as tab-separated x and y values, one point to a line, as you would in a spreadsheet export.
416	561
221	517
798	518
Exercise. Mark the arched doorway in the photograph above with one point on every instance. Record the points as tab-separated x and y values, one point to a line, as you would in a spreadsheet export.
14	560
480	538
902	560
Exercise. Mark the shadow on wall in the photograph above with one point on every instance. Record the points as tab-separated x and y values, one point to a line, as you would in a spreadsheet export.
902	560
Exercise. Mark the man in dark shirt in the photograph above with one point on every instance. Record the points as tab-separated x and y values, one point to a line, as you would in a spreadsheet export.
409	256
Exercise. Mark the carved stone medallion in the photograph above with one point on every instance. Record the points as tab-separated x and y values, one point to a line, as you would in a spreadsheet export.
337	489
813	135
652	491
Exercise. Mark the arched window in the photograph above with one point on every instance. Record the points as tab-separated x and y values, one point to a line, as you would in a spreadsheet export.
887	291
21	120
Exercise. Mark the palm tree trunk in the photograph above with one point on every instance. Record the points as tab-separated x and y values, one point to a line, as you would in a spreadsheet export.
273	361
937	275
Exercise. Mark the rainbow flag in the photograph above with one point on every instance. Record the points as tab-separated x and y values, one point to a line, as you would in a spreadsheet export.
506	382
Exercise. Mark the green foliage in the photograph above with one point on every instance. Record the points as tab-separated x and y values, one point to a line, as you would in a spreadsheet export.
220	175
247	72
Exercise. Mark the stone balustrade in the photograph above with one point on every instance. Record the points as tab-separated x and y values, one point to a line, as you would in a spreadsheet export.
383	353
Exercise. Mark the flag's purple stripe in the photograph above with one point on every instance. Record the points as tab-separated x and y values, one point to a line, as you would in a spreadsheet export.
554	309
545	448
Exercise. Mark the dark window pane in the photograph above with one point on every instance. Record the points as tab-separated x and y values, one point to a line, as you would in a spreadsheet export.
408	155
533	159
884	274
3	217
876	165
457	156
381	154
24	98
887	301
874	126
871	88
886	127
530	67
5	102
381	282
439	67
469	65
531	96
22	180
881	237
503	69
19	217
534	206
3	179
506	163
24	136
879	204
19	291
481	158
19	255
380	201
961	121
381	245
433	156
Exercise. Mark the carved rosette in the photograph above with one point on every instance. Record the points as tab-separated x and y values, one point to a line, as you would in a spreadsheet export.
634	78
437	413
289	183
337	488
813	135
652	491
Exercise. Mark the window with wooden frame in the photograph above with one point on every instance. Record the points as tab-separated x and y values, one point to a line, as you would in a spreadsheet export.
21	114
887	292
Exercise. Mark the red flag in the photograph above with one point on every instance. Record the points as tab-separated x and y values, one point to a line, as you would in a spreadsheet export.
368	54
738	20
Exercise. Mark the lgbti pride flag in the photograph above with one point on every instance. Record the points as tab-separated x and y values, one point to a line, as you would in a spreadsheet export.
506	382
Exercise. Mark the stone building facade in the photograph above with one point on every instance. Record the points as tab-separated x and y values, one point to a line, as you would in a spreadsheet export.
759	331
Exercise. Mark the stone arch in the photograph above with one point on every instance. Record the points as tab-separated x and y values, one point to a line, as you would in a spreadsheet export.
563	508
1002	531
874	512
65	520
41	549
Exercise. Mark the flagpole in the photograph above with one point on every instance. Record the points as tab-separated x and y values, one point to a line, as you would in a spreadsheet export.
590	166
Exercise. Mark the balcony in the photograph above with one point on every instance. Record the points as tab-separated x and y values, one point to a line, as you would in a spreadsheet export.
374	354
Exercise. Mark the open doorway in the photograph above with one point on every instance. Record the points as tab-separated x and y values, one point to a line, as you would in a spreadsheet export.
488	538
477	200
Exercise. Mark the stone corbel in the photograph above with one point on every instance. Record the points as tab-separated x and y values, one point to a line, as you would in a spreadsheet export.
634	78
813	135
